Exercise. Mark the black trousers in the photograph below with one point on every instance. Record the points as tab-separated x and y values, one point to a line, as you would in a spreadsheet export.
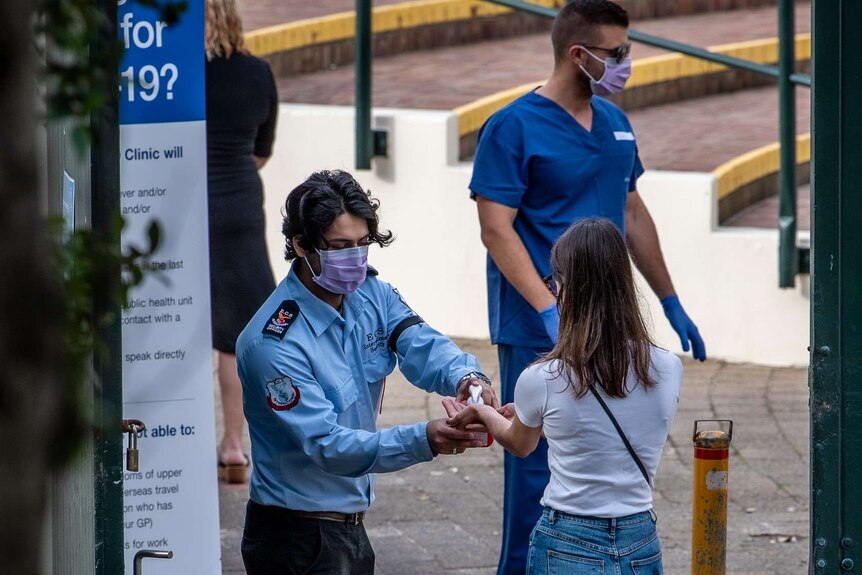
276	542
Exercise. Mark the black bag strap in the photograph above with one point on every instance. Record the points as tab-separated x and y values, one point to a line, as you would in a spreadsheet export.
622	435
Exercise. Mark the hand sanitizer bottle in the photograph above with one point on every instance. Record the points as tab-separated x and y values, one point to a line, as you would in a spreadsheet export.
476	399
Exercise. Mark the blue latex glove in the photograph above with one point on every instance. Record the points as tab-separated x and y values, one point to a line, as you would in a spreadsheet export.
551	318
684	327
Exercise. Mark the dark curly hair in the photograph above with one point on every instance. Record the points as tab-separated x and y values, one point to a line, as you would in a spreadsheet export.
313	205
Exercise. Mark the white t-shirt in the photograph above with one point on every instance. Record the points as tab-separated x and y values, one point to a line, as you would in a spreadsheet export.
592	472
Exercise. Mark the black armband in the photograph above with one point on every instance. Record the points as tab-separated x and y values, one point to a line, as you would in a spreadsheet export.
399	329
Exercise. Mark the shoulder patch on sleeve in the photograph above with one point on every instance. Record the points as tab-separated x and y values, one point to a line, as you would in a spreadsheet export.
282	394
281	320
401	297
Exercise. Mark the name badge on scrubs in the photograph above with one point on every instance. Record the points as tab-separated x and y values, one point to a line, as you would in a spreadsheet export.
624	136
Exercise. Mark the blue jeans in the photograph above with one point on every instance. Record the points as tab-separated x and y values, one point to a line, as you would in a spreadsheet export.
565	544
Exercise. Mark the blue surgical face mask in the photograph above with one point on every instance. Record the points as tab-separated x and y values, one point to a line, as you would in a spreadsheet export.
613	80
341	271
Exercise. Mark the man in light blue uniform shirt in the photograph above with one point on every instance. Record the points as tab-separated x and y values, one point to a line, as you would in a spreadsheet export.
313	363
545	161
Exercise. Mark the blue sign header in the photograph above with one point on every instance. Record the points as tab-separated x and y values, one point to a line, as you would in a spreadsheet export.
162	70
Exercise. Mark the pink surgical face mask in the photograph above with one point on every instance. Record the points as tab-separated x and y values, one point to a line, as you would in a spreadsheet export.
613	80
341	271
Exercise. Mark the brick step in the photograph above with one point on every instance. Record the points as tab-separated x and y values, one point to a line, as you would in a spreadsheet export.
303	46
764	214
446	78
263	13
700	135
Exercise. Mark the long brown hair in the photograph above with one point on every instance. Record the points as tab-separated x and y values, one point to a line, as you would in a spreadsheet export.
223	30
602	333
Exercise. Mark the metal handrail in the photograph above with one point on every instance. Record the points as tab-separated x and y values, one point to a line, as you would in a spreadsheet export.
792	259
729	61
671	45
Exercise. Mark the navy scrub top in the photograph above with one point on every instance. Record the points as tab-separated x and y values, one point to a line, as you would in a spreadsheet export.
535	157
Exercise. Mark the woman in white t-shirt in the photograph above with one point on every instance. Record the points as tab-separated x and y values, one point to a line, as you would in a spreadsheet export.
598	505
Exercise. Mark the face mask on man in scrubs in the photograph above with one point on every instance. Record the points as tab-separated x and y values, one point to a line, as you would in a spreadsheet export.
614	79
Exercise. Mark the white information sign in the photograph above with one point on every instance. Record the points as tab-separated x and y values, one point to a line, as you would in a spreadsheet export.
171	502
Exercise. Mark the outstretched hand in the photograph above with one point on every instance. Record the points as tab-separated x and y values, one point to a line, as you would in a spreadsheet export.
507	411
445	439
466	417
453	408
684	327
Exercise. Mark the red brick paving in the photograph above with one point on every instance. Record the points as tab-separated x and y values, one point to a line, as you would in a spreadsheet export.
449	77
764	214
695	135
699	135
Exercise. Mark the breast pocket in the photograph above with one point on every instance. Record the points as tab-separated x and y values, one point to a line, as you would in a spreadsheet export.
378	365
342	395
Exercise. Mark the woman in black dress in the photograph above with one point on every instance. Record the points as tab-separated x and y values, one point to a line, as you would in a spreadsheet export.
242	110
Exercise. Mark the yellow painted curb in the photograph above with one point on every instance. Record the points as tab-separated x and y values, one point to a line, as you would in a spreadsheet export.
675	66
341	26
645	71
755	165
471	116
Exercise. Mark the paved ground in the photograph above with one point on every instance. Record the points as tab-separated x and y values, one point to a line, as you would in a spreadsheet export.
699	135
444	516
446	78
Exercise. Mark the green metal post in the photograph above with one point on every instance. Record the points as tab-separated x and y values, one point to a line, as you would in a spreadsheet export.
788	254
107	366
836	306
363	85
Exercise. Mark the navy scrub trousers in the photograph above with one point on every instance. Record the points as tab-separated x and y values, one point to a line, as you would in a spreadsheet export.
525	478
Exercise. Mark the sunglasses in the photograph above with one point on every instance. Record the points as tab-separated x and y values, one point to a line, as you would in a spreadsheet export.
551	284
618	54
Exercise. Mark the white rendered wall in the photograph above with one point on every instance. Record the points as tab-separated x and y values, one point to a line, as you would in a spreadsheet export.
726	278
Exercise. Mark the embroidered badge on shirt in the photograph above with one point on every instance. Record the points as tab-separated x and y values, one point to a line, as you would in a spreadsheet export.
282	395
375	340
281	320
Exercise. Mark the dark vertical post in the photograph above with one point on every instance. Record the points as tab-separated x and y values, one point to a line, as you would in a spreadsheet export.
836	306
788	257
363	85
107	389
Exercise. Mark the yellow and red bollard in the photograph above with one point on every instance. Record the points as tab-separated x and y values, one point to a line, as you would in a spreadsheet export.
709	512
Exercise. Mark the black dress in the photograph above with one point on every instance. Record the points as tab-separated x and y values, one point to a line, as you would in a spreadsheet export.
242	109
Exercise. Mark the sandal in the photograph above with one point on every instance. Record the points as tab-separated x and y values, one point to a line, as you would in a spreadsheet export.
234	472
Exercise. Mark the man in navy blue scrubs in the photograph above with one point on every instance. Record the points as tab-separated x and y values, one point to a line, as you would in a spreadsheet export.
548	159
